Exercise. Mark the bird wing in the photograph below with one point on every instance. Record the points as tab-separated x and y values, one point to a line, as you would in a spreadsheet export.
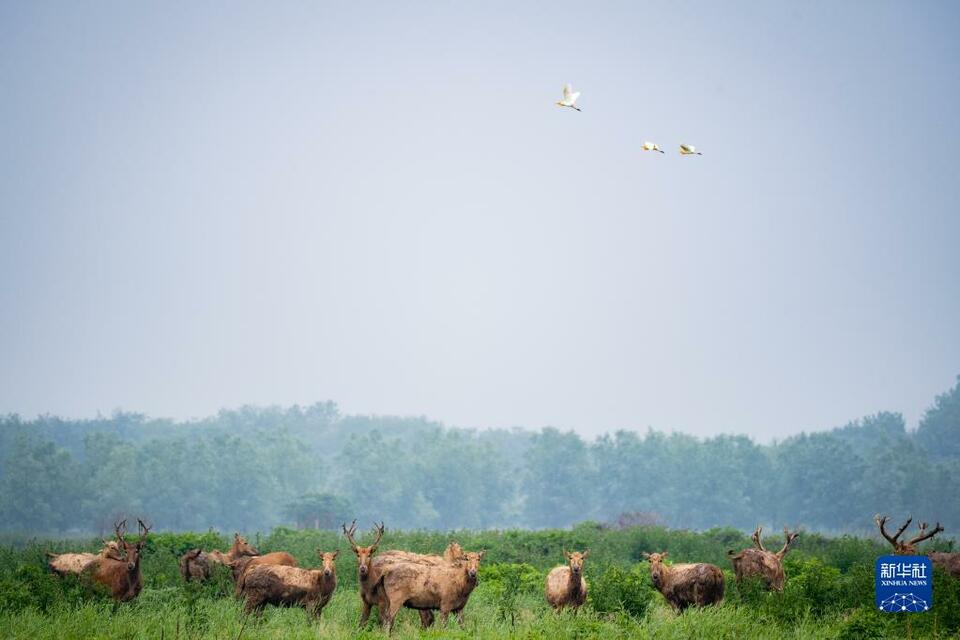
573	97
567	92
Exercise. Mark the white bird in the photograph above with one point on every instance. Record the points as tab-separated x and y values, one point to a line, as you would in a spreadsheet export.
651	146
569	97
689	150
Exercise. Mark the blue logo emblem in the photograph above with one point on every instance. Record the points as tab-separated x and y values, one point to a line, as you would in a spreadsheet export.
904	584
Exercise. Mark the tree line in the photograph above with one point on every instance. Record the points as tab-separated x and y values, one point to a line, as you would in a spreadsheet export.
255	468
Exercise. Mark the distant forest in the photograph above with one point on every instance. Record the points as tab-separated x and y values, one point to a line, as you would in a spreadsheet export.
255	468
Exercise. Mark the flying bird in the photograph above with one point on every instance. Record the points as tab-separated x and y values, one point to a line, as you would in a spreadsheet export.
689	150
651	146
569	97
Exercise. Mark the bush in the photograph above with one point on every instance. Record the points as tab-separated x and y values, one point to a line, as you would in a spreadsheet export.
507	582
619	590
865	624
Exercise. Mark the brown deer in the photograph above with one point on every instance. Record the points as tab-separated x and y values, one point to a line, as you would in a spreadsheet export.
949	561
684	585
370	569
64	564
453	554
757	561
289	586
244	564
197	564
566	586
368	573
446	587
123	577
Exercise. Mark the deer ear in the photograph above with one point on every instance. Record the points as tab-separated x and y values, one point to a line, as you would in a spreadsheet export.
664	554
585	553
336	553
646	555
482	553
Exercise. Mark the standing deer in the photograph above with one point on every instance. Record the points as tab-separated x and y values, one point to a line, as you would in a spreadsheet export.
123	577
446	587
684	585
452	555
244	564
757	561
64	564
566	586
197	564
290	586
371	591
949	561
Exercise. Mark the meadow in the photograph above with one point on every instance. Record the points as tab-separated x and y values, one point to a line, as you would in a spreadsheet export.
828	593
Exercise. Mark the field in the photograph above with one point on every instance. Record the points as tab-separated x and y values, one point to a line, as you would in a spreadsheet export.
829	591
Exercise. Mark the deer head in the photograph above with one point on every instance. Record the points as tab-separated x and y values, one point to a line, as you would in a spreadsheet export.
241	547
656	567
909	547
575	560
328	559
364	554
132	549
471	563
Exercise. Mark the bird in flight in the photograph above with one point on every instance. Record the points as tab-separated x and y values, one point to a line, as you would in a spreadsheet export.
689	150
569	97
651	146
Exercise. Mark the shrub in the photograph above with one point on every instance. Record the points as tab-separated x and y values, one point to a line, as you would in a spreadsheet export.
619	590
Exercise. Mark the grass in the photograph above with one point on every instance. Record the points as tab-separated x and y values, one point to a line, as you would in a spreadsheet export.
829	593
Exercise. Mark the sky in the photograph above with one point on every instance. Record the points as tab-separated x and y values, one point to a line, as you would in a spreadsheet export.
207	205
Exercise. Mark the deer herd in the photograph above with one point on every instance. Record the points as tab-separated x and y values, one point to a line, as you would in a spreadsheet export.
395	579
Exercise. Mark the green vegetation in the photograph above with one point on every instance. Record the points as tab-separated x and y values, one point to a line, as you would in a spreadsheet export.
828	594
261	468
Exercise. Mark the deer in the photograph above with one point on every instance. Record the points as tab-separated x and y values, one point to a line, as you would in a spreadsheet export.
64	564
370	591
282	585
757	561
685	585
369	571
123	577
446	587
197	564
950	562
244	564
453	554
565	585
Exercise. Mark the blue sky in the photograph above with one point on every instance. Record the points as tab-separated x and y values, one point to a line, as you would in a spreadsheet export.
208	206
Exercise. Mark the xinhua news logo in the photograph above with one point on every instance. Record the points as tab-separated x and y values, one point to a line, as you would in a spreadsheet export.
904	584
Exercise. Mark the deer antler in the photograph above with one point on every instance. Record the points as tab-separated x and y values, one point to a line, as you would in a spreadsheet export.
144	530
882	520
923	535
349	533
788	539
756	538
379	529
120	528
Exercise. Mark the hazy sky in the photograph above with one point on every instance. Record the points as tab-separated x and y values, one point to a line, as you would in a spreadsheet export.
206	205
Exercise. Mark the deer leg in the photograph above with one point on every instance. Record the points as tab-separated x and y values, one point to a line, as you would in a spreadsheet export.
459	613
393	609
364	614
426	618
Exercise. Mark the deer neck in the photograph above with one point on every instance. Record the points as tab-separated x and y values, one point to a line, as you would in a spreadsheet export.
574	583
659	575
